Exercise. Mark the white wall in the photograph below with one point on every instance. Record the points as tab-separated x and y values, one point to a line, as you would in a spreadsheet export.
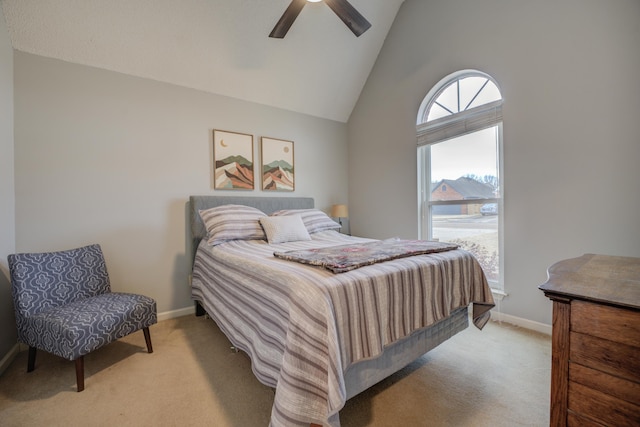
7	198
569	75
109	158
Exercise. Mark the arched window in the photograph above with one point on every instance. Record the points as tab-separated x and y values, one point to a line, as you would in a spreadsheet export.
459	136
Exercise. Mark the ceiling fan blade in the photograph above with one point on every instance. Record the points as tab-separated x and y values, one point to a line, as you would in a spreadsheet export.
349	15
287	18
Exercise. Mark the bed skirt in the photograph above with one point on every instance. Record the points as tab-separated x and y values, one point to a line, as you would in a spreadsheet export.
364	374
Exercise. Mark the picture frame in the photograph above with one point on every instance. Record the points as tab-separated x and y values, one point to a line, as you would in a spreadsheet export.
278	167
233	167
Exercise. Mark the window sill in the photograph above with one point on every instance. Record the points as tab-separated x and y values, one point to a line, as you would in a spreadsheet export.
498	295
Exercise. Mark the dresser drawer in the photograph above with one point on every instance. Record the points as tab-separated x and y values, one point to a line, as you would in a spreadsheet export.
611	357
611	323
577	420
600	407
620	388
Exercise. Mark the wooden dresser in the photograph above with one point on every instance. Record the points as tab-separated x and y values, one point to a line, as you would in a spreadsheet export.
595	366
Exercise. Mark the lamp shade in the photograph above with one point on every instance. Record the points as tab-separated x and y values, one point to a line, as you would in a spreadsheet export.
339	211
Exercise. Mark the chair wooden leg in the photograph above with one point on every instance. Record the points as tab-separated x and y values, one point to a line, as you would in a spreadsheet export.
31	362
80	373
147	338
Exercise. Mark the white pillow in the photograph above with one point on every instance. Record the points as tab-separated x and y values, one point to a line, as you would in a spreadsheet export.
282	229
232	222
314	219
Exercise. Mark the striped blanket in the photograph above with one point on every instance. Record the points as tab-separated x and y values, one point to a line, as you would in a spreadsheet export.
303	326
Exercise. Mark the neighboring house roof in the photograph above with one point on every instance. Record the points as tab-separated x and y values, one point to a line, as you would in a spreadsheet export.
469	188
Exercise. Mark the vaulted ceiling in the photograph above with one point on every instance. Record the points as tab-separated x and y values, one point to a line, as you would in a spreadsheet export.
218	46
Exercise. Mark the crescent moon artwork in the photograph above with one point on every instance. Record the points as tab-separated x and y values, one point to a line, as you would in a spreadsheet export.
232	161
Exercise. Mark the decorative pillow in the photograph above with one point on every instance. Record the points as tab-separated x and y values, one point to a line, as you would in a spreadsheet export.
282	229
314	219
232	222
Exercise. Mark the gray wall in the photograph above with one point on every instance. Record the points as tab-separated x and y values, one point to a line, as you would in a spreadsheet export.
569	72
7	199
109	158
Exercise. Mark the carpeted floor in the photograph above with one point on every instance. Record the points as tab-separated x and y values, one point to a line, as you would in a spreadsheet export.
496	377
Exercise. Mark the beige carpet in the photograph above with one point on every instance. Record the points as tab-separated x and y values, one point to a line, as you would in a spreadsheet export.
496	377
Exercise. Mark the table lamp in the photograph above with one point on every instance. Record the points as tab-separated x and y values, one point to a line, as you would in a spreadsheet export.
339	211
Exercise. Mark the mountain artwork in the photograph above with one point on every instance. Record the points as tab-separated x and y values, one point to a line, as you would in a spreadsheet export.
277	176
232	161
234	172
277	165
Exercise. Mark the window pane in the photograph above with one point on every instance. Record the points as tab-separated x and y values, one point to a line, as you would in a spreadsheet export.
475	154
466	168
449	98
469	87
436	112
489	94
475	229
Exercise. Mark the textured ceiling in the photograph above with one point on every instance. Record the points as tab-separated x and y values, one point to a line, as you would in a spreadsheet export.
218	46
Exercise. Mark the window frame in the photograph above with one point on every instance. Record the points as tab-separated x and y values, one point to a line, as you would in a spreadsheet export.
449	127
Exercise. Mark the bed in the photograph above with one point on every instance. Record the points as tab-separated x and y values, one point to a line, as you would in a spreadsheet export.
318	337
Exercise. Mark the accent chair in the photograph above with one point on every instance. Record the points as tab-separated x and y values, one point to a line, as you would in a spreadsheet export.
64	305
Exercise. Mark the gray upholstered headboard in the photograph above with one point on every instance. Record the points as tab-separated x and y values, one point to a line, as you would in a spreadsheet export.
267	205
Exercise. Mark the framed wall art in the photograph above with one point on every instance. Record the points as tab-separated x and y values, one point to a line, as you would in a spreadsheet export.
278	172
232	161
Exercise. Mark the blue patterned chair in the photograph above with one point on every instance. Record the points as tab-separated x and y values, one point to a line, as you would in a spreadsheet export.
64	305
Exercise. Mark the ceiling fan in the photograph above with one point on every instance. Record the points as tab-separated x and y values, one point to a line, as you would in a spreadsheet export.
345	11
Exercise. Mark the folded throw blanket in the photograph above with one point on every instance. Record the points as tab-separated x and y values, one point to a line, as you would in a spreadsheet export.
339	259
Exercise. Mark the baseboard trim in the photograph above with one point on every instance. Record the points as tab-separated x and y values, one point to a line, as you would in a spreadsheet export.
496	316
166	315
8	358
